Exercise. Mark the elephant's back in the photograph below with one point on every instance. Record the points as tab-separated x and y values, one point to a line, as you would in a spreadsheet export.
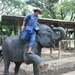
13	47
13	40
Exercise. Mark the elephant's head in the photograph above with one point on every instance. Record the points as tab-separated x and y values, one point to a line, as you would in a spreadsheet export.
48	34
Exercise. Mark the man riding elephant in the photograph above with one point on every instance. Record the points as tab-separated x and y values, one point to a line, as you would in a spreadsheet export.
18	51
31	28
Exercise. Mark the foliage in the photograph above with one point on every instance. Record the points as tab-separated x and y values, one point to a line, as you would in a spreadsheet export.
50	9
54	9
12	7
69	6
45	5
65	7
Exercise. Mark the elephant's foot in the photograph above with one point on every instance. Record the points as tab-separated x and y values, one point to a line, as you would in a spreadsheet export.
6	74
42	67
16	74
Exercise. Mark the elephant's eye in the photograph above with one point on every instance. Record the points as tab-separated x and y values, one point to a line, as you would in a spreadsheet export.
49	31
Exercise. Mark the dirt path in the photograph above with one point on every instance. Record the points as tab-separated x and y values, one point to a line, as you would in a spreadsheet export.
56	67
25	70
69	73
54	64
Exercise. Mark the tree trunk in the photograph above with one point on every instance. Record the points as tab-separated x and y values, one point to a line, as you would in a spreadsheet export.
71	17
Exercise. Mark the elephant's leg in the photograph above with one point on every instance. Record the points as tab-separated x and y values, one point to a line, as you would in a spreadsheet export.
51	52
38	61
35	69
7	63
17	66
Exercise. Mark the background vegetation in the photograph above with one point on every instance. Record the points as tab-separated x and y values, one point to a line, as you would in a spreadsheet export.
54	9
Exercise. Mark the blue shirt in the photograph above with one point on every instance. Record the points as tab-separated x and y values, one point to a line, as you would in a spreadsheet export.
32	22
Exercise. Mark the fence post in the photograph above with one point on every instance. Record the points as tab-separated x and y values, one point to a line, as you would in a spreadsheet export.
59	52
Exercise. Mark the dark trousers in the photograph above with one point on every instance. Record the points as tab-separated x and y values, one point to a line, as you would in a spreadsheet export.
28	34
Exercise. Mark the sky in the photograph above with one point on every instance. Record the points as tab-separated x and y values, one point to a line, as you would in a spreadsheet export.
60	1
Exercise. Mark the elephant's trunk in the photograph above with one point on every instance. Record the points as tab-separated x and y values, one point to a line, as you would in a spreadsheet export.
61	33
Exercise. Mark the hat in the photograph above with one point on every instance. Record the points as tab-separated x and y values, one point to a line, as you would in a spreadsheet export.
37	9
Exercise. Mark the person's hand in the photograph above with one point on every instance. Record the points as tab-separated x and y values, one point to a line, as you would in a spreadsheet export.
22	27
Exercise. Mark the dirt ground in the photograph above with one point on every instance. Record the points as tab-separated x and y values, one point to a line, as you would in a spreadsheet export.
70	73
28	69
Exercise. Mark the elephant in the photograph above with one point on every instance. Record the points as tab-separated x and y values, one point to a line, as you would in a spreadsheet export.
15	50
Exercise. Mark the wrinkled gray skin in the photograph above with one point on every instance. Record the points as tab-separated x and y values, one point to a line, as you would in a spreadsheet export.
15	50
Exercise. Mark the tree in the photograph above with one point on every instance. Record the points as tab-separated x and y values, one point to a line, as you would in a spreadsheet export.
54	9
65	7
46	6
14	7
69	6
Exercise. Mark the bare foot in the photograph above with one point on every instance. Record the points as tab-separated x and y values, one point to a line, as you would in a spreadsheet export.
29	52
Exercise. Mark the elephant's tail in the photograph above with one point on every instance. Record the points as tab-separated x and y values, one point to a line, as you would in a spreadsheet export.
1	59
